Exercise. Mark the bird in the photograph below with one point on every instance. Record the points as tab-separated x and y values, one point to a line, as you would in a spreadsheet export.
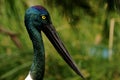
37	20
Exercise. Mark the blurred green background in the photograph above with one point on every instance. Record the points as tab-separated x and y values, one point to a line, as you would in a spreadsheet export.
88	28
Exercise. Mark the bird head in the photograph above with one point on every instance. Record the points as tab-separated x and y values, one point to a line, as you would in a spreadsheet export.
39	18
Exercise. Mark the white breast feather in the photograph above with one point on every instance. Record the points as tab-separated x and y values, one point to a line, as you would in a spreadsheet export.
28	77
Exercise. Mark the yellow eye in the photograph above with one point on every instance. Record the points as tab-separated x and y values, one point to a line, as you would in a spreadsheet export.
43	17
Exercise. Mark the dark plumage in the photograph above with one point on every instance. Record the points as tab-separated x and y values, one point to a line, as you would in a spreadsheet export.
37	19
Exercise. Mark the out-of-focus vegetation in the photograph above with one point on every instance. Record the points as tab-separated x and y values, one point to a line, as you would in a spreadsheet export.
82	25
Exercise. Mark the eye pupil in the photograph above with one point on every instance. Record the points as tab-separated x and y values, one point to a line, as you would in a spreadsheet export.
43	17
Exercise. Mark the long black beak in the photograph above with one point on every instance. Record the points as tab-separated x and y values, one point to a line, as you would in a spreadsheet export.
52	35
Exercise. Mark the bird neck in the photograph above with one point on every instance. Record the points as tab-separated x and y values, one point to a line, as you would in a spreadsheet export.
38	65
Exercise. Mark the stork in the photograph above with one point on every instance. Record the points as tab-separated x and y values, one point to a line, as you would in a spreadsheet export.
37	19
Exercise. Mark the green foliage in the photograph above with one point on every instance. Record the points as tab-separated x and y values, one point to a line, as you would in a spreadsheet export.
84	29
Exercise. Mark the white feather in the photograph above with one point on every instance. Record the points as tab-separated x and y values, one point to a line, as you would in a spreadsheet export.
28	77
